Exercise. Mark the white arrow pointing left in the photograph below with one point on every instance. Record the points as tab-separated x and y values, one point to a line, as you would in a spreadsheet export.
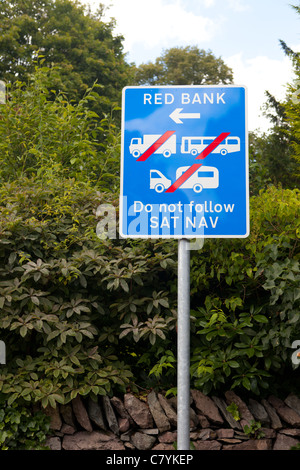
177	115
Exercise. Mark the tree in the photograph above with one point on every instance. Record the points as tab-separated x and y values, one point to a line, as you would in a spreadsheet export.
42	132
184	66
271	155
68	35
275	157
292	104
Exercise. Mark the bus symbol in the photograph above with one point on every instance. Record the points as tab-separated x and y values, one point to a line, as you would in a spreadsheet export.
195	145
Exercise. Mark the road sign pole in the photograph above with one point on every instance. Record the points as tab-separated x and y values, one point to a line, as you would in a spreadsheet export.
183	346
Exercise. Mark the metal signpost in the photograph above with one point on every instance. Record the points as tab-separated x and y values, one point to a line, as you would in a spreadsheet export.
184	175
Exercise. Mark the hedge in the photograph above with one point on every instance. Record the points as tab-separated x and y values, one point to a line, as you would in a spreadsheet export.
91	316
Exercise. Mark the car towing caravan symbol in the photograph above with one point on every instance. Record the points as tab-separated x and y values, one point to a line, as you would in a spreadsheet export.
158	181
206	177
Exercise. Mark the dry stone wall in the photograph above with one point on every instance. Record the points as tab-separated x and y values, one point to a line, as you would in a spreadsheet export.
150	423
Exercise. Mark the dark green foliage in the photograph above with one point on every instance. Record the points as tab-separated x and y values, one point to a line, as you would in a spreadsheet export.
275	157
90	316
254	430
272	161
21	428
272	158
248	299
42	132
184	66
68	35
51	303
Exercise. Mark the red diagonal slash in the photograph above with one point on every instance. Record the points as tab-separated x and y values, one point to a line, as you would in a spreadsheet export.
158	143
210	148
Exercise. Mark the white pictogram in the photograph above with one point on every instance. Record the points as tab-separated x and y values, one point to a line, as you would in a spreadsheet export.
206	177
177	115
158	181
138	146
192	145
195	145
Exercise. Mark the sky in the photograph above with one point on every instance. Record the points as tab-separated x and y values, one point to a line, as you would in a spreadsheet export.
244	33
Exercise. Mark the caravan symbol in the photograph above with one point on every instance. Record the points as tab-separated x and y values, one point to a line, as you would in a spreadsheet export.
206	177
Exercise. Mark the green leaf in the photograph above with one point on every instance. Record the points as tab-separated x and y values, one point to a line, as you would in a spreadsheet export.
233	364
296	293
124	285
58	398
260	318
35	300
164	303
23	331
246	383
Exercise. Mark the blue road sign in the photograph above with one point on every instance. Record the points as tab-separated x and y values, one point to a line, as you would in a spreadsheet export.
184	164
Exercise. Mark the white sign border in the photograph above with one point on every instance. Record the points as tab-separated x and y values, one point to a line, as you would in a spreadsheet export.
121	197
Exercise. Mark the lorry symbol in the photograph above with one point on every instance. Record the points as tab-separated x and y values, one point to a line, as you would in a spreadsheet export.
206	177
138	146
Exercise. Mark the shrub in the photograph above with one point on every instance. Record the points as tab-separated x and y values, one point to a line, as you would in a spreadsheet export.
49	311
70	302
42	132
90	316
21	428
249	295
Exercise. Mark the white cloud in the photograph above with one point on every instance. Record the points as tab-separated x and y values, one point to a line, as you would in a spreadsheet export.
295	47
258	75
238	5
153	23
149	26
209	3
